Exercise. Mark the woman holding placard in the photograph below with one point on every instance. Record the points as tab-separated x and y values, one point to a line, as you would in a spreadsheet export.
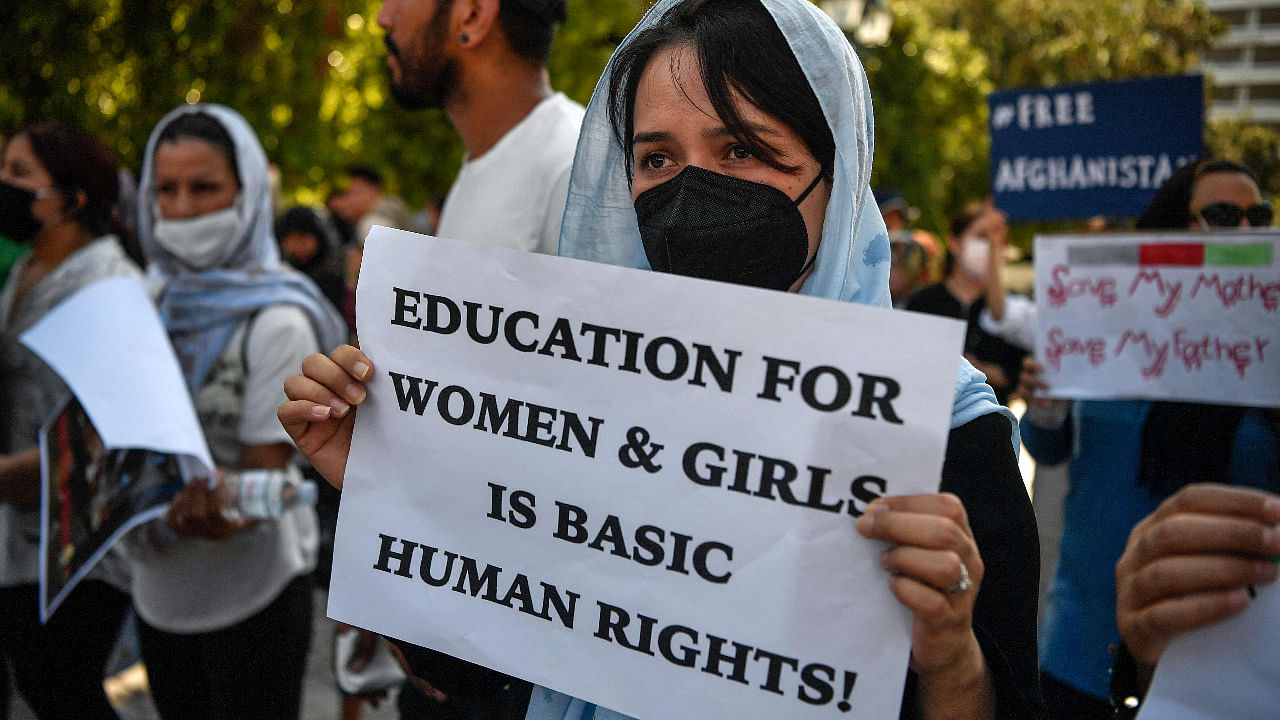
769	153
1127	456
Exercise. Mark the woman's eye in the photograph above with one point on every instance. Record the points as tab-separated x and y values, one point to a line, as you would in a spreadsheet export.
740	152
654	161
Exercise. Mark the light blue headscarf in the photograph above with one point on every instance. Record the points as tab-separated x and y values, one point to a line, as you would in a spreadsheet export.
853	258
202	309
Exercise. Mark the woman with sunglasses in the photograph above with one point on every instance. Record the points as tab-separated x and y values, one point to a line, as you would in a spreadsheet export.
58	191
1129	455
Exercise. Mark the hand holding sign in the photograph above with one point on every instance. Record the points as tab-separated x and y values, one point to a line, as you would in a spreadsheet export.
1189	564
936	571
320	413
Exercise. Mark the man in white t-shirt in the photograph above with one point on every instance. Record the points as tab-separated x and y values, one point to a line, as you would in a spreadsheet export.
484	63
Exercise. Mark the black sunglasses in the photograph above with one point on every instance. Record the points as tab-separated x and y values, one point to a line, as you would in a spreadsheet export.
1225	214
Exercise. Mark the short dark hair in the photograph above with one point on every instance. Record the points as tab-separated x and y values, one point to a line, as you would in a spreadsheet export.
768	75
78	162
303	220
204	127
1170	208
530	26
366	173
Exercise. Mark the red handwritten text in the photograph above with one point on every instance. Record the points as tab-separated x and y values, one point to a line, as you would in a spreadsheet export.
1170	290
1062	289
1058	346
1245	288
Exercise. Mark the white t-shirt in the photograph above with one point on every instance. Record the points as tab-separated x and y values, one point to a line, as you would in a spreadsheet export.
188	585
513	195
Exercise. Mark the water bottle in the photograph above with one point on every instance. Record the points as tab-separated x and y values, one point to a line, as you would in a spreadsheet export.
263	493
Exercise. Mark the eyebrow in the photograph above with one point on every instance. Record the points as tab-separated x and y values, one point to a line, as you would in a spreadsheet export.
657	136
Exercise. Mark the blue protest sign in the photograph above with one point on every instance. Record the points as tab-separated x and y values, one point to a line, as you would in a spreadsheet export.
1095	149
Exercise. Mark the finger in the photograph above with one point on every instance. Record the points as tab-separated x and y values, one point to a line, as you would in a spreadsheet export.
939	569
1204	534
298	416
354	361
301	387
334	377
1155	626
931	606
1189	575
936	521
1222	500
946	505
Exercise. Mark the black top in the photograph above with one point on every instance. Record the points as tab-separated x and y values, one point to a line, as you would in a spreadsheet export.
981	468
936	299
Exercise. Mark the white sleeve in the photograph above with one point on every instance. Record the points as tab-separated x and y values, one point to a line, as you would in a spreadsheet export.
549	238
1018	326
280	336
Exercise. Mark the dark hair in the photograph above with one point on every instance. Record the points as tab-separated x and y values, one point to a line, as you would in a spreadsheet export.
202	126
366	173
960	224
78	162
303	220
1170	209
767	75
530	26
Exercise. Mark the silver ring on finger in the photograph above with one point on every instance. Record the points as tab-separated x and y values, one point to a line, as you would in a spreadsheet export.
962	583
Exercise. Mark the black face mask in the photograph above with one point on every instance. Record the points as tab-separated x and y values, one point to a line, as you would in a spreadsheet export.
707	225
16	221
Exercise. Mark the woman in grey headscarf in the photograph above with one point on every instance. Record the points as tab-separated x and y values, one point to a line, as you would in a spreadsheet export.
732	140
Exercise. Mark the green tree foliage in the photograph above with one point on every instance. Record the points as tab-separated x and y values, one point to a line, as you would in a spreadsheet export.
1254	146
931	81
309	75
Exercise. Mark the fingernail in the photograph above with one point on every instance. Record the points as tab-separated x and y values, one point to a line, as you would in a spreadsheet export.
1272	509
866	523
339	408
354	393
1267	572
1272	539
884	559
320	412
362	370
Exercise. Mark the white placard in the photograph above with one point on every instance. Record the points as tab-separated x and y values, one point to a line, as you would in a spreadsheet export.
108	345
1186	316
660	523
1226	671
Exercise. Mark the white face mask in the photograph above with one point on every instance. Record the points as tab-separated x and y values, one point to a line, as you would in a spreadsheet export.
975	257
199	242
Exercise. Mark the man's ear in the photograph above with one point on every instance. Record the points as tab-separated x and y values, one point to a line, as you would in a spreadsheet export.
474	21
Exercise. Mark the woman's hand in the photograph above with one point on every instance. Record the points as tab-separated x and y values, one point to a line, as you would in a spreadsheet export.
197	512
320	412
936	571
1189	564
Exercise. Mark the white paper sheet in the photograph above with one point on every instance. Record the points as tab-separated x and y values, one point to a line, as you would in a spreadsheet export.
1178	316
107	344
791	589
1227	671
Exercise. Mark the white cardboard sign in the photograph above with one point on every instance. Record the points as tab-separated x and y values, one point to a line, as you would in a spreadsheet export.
1185	316
635	488
1225	671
